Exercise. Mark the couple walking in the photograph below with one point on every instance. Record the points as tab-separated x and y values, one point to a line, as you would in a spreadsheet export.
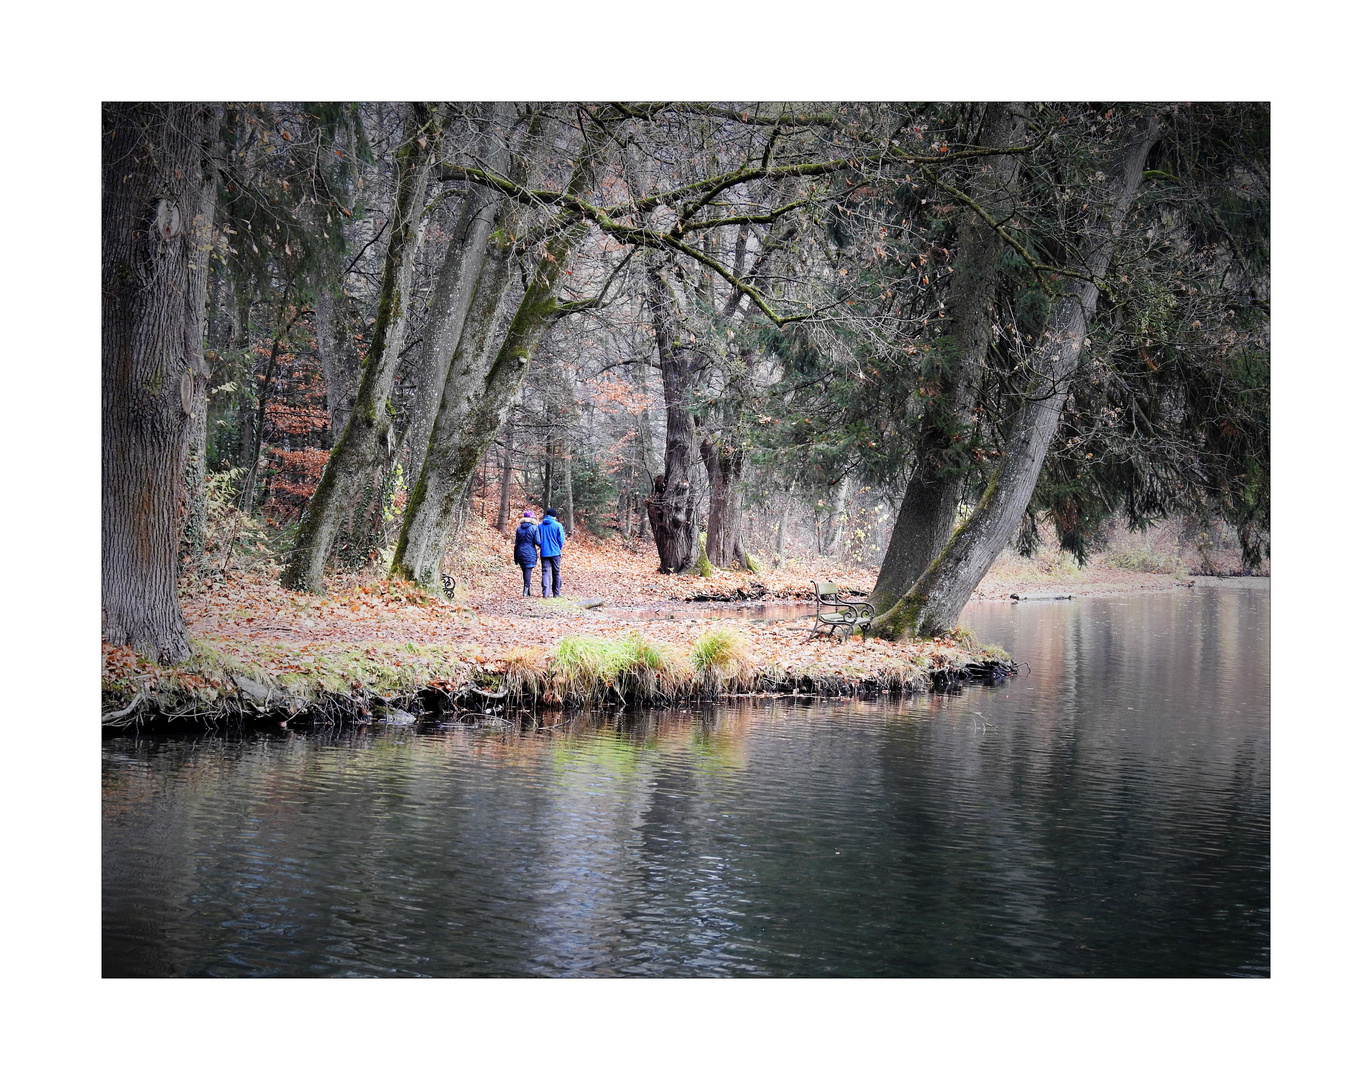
542	541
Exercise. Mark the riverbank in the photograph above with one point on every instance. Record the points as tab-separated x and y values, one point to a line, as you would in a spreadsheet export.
372	649
462	670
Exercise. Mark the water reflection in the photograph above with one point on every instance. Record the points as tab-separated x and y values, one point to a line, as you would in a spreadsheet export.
1105	814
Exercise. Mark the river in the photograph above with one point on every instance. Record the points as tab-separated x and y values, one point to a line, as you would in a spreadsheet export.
1105	813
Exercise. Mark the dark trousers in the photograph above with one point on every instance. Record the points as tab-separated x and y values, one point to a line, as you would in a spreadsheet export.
528	575
552	566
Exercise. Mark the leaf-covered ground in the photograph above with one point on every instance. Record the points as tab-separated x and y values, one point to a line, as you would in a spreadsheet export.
370	636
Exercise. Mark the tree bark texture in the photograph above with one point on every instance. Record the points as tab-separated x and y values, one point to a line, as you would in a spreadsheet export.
670	507
929	508
932	604
368	432
478	210
157	206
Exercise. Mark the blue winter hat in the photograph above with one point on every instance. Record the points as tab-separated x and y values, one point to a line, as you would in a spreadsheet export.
550	512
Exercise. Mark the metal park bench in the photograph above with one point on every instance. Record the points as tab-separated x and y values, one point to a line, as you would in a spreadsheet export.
836	616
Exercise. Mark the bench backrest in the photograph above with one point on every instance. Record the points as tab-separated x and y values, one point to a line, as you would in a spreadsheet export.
826	592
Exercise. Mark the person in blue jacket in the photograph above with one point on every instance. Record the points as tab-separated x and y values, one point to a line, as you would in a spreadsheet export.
551	537
526	547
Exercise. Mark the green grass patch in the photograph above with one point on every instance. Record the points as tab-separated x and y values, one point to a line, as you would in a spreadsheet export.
720	656
629	667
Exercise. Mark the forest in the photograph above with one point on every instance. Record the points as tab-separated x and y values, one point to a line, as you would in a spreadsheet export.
730	333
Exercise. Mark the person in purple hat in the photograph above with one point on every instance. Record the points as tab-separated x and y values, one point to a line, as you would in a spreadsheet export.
526	547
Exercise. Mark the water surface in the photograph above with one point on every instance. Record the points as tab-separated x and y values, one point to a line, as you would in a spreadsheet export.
1104	814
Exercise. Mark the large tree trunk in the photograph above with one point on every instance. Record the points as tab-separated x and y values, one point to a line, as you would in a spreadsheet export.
434	501
671	507
157	206
929	509
477	398
368	433
452	295
449	465
933	603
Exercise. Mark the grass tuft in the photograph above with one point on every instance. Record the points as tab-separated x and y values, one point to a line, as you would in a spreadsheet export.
720	656
524	673
629	667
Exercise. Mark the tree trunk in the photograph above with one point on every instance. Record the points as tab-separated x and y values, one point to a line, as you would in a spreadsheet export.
337	349
157	206
929	509
626	503
547	474
433	505
242	337
838	516
447	468
368	432
333	329
723	469
477	399
248	497
455	287
196	515
671	506
643	468
933	603
785	521
568	514
502	516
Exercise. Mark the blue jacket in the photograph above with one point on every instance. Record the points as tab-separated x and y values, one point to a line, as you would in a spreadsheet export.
551	536
526	544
